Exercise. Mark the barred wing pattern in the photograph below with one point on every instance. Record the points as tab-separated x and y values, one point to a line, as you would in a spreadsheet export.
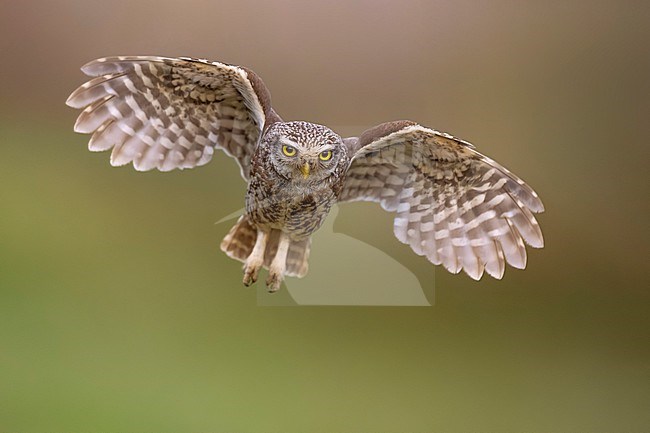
168	113
454	205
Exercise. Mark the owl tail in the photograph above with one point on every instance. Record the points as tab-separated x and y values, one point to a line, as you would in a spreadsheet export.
240	240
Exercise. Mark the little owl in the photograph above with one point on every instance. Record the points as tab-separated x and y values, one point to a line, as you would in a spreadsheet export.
452	204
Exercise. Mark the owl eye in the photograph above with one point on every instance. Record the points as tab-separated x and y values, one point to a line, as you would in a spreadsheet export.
289	150
325	155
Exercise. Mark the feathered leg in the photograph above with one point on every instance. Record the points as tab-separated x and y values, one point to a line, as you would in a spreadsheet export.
279	264
255	260
257	249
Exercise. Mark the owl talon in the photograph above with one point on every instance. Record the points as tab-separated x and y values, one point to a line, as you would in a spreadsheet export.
250	274
255	260
278	265
273	282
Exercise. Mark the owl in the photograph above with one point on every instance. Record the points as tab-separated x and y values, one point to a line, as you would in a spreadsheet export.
452	204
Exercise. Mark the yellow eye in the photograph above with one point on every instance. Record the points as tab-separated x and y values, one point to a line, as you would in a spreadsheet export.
288	150
326	155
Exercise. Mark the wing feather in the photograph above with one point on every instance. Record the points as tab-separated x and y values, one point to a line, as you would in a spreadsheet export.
455	206
168	113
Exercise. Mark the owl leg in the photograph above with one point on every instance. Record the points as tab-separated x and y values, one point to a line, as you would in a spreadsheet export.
278	265
255	260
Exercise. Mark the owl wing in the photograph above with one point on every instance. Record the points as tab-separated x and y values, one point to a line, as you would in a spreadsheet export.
454	205
168	113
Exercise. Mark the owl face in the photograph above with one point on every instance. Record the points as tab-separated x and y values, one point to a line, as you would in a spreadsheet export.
304	152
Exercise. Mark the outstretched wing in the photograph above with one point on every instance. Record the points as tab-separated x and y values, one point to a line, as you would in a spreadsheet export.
454	205
167	113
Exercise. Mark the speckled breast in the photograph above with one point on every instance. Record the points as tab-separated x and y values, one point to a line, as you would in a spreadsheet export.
280	207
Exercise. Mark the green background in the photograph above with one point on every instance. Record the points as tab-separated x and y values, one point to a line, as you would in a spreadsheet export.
118	312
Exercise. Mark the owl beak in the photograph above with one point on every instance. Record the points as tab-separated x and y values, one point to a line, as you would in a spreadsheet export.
304	169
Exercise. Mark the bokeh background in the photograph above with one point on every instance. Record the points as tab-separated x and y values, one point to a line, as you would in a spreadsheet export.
118	312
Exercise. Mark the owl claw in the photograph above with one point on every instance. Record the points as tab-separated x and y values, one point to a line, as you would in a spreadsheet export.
273	282
250	274
278	265
255	260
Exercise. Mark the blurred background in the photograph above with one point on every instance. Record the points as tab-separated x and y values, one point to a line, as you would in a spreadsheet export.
118	312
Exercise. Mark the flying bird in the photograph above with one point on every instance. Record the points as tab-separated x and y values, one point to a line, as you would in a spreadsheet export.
452	204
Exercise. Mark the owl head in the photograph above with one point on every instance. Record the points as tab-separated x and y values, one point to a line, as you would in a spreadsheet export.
304	152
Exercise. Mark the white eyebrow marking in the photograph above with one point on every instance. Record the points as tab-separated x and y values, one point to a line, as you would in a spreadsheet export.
286	141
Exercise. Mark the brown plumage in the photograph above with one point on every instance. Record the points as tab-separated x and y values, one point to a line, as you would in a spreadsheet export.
453	205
